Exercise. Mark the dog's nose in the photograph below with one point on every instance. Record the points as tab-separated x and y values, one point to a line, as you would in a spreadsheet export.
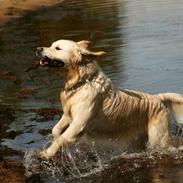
39	50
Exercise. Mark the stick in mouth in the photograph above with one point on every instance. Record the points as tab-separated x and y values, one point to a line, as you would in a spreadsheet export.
46	62
34	66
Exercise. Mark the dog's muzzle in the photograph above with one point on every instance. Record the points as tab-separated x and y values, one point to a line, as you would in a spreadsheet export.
45	61
51	63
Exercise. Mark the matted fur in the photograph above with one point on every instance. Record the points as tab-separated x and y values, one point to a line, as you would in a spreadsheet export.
94	107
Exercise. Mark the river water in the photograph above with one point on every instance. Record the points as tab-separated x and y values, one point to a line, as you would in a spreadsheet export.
144	44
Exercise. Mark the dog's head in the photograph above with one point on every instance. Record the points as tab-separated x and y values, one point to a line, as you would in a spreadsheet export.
64	53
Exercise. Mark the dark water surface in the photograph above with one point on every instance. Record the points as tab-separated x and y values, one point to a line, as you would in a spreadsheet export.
144	41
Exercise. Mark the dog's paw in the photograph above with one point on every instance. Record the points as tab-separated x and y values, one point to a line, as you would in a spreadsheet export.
44	155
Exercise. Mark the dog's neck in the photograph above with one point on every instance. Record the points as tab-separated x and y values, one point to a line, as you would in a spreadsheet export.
79	75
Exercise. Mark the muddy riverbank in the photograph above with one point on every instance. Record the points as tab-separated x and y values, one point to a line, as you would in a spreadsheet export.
11	172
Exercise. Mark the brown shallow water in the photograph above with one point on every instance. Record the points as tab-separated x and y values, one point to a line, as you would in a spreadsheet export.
144	41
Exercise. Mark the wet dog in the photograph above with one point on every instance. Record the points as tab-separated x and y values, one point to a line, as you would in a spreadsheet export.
95	108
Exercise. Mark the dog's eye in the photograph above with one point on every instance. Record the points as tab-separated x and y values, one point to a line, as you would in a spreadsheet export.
57	48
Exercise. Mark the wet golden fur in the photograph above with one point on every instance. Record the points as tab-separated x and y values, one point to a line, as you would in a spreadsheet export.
95	108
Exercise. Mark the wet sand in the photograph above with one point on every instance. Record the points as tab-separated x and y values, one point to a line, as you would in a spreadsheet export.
11	172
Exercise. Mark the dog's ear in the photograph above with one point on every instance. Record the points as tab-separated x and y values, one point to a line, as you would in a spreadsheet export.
97	53
83	54
84	43
90	56
93	53
84	51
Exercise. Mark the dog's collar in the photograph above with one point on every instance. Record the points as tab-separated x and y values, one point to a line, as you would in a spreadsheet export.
82	82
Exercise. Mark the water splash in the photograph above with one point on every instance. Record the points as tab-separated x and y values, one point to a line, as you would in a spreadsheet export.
82	161
74	162
31	162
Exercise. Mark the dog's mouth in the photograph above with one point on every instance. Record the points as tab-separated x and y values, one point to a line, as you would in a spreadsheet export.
47	62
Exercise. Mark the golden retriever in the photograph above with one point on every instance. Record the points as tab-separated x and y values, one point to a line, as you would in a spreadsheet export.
94	107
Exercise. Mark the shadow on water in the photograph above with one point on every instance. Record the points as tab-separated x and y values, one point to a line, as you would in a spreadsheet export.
144	44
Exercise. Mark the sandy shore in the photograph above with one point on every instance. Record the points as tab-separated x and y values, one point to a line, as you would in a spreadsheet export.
16	8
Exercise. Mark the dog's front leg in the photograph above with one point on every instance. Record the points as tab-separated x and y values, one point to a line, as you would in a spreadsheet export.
61	126
71	134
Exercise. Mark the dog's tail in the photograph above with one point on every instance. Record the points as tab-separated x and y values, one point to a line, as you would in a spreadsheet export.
174	103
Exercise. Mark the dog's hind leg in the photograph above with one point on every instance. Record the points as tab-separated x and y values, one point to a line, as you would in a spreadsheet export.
174	102
158	130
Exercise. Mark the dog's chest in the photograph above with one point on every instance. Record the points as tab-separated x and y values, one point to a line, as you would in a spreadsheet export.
83	98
